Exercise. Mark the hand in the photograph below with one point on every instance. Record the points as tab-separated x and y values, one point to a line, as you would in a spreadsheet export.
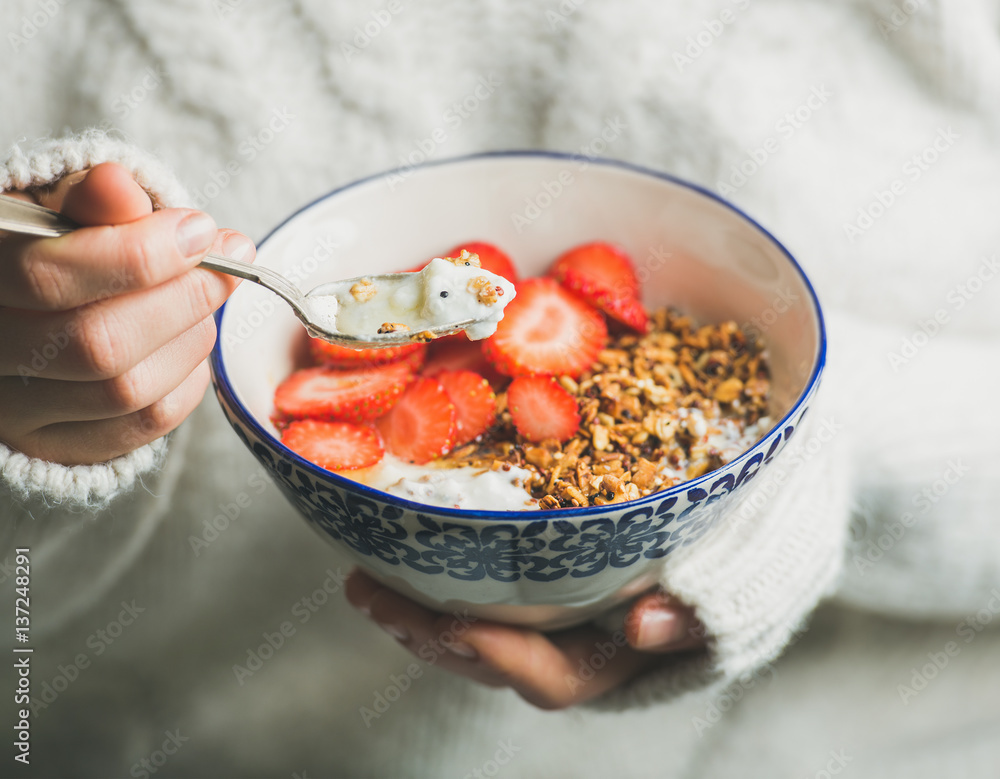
551	671
107	329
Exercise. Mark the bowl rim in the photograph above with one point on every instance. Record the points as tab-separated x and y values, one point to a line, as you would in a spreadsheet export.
223	385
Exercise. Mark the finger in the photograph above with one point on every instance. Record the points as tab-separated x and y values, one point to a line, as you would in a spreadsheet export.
36	402
58	274
105	339
658	622
553	672
86	443
103	195
428	635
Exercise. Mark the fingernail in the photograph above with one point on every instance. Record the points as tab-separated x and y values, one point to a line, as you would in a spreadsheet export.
398	633
462	650
238	247
658	627
195	234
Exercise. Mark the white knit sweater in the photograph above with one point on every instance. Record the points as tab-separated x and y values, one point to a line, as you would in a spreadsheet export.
830	103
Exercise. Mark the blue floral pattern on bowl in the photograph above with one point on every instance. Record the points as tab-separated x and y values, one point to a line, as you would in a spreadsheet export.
545	549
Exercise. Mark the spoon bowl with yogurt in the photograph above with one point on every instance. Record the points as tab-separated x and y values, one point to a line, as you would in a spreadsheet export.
449	294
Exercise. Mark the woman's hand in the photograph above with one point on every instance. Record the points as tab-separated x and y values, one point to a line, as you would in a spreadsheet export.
551	671
106	330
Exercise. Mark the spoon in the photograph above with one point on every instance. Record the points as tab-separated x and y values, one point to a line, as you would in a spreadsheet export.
19	216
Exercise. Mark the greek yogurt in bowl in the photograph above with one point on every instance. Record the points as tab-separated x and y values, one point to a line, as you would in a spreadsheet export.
460	488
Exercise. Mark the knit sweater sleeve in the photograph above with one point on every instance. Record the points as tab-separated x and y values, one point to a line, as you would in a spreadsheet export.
38	483
908	451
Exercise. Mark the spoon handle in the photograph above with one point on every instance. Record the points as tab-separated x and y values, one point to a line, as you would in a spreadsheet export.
20	216
266	277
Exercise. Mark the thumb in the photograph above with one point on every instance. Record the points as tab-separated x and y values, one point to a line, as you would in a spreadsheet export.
658	622
103	195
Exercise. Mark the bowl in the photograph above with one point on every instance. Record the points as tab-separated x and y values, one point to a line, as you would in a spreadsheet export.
545	569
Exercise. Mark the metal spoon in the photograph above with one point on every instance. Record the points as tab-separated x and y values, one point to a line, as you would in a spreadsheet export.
19	216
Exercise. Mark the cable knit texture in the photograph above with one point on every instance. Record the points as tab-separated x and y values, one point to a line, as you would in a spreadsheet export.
48	161
30	479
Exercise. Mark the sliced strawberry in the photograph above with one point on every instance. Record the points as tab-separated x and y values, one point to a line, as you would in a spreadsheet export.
421	426
336	446
546	331
490	257
342	395
541	409
458	353
336	356
603	264
474	401
622	308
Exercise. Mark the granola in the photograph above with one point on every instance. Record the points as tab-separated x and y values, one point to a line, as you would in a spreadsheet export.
655	410
363	290
465	258
484	290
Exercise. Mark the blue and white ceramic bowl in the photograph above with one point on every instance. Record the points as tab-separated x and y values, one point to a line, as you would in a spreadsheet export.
548	569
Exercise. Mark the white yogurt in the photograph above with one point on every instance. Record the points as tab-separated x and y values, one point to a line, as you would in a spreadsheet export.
462	488
445	291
